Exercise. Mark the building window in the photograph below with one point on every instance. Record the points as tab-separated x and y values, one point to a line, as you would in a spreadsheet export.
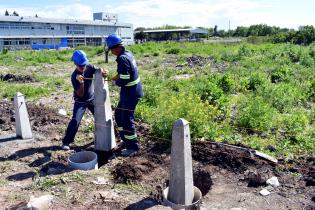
75	29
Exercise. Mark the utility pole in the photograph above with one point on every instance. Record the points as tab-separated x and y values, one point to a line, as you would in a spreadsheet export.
229	28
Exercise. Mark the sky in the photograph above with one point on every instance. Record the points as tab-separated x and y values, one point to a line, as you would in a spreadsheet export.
153	13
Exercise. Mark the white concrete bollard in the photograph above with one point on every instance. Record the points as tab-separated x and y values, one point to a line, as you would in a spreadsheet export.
181	193
181	177
104	127
22	122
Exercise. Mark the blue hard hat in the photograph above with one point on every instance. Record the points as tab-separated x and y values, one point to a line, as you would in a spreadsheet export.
113	40
79	58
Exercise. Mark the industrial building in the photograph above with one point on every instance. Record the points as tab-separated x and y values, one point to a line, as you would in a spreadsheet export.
185	34
49	33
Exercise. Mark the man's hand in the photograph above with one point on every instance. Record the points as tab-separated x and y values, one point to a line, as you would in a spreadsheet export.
80	78
104	72
115	78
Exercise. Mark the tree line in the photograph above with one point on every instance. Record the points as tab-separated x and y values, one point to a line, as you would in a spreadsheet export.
304	34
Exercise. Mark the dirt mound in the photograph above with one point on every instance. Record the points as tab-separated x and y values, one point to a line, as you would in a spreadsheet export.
7	116
136	167
232	159
39	117
16	78
198	61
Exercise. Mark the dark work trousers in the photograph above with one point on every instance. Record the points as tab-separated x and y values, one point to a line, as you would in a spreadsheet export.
78	111
124	116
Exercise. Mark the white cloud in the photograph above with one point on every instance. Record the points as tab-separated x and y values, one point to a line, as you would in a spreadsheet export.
182	12
207	13
73	11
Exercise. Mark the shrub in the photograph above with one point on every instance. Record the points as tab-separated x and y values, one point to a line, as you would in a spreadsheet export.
283	96
254	114
312	50
171	106
173	51
256	80
244	50
280	74
230	56
226	83
294	123
311	91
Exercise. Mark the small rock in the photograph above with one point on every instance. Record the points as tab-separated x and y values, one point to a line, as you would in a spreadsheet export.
108	195
42	202
100	181
264	192
273	181
62	112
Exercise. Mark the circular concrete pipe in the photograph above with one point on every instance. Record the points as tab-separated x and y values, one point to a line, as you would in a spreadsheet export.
84	160
195	203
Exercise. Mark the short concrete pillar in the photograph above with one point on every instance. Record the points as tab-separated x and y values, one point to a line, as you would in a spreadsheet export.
104	127
22	122
181	175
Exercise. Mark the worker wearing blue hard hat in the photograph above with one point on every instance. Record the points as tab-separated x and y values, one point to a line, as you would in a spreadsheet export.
127	78
83	94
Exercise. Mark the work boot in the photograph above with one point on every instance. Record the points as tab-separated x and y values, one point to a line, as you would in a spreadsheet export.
65	147
128	152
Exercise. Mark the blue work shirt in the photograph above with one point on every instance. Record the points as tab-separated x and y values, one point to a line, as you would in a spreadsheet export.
129	80
88	84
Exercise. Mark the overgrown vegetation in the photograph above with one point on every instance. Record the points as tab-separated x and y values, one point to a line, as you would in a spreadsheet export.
259	95
263	96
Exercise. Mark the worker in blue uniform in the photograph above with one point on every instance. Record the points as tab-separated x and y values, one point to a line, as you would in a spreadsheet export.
128	80
83	94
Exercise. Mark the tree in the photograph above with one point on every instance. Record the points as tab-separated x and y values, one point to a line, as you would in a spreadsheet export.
305	35
6	13
241	31
215	31
15	13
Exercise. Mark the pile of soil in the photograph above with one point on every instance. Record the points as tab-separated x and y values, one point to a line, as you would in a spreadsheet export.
17	78
198	61
152	166
40	117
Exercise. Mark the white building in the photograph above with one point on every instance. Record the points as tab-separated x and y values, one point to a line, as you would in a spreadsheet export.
49	33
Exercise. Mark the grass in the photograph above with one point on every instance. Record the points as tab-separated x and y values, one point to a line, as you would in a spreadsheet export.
47	183
254	94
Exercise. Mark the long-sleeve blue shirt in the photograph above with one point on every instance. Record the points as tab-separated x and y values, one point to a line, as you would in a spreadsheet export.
129	80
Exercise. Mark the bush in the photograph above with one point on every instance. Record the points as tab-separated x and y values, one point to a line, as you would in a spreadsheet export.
255	114
283	96
226	83
244	50
171	106
256	80
173	51
294	123
312	50
280	74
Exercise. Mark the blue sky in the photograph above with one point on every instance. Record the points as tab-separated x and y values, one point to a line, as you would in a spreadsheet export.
152	13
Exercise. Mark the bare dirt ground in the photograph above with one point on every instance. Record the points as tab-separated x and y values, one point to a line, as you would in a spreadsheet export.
228	177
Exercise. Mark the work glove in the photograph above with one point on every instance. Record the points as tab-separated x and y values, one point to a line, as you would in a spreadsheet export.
80	78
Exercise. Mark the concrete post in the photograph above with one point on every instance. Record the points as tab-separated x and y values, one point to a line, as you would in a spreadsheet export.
104	128
181	176
22	122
